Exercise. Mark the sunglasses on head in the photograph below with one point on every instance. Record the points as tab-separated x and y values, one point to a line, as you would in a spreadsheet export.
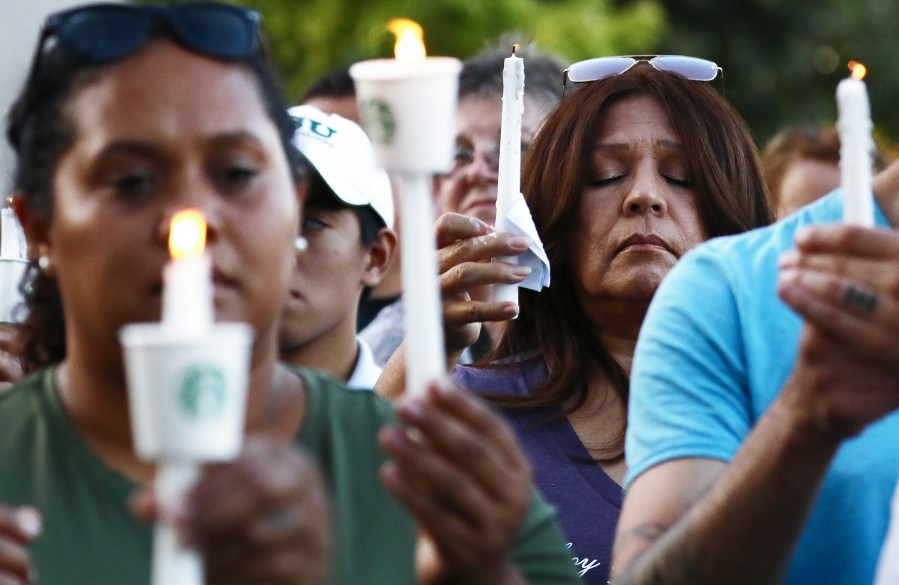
693	68
103	33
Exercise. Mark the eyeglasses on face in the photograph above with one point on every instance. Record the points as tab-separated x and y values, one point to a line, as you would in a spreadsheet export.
692	68
464	157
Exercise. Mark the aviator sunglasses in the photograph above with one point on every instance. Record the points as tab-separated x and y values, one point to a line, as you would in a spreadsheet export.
693	68
103	33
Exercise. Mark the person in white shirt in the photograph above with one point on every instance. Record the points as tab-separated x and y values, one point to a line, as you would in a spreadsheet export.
345	248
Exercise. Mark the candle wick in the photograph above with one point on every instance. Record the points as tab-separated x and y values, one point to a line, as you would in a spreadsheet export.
515	48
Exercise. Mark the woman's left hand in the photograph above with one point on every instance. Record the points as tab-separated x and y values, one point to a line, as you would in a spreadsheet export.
458	469
263	518
465	247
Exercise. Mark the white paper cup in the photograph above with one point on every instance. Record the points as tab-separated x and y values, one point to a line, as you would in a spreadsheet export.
187	397
11	273
409	111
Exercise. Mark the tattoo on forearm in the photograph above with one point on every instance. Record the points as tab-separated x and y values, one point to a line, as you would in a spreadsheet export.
670	564
645	534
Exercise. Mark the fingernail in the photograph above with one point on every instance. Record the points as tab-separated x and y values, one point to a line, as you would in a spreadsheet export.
414	409
520	242
787	276
789	258
511	310
521	270
29	521
393	437
446	388
480	225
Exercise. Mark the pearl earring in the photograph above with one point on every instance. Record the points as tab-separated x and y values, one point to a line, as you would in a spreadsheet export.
301	244
44	263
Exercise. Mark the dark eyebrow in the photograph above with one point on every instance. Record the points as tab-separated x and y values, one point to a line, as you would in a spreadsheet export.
129	148
670	144
236	138
615	147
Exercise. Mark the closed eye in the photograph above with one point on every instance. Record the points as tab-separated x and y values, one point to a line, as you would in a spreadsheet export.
236	178
313	224
606	181
463	155
134	185
678	182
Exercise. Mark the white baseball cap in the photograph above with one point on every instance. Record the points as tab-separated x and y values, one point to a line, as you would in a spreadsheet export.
344	157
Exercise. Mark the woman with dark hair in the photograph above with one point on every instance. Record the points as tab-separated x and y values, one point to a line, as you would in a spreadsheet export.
130	114
631	171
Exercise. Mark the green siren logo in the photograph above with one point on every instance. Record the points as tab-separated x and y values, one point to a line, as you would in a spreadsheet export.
379	121
202	392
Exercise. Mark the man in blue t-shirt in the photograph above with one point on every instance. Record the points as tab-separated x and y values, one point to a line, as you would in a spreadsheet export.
763	442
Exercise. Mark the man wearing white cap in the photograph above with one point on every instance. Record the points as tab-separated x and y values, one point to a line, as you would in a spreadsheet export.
345	248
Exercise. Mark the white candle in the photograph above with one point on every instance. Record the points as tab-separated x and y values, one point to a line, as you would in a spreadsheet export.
423	318
187	312
187	302
408	109
173	562
10	229
509	178
854	125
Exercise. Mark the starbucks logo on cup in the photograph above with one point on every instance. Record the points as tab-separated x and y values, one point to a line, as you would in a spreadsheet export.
202	392
379	121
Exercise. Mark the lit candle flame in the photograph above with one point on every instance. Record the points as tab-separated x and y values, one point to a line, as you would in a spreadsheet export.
187	236
858	70
410	45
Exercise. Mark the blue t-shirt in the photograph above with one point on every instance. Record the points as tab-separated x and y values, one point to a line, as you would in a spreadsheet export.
587	500
715	350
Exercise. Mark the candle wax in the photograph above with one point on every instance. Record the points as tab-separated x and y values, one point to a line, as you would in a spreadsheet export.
9	235
509	175
187	302
509	179
854	125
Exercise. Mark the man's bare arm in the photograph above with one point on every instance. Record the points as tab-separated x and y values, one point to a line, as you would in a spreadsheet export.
696	521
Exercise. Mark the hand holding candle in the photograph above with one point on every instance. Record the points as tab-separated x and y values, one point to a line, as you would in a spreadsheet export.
854	125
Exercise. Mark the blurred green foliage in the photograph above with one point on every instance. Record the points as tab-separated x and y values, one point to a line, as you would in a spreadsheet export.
782	60
311	37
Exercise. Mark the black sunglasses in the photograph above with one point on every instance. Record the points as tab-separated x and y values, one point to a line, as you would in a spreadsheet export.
103	33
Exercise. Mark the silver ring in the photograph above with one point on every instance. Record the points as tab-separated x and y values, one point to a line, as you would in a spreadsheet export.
859	299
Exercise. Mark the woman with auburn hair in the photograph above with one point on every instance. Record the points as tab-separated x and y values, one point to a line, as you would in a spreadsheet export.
639	165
